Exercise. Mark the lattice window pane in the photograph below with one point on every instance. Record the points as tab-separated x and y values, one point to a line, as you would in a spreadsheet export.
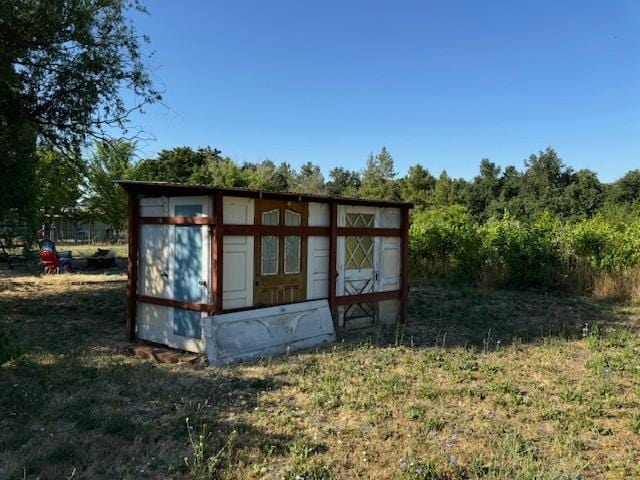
269	254
359	252
292	219
272	217
361	220
291	254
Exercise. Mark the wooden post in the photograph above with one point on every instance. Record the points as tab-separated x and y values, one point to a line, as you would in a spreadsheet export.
132	267
404	269
333	247
216	253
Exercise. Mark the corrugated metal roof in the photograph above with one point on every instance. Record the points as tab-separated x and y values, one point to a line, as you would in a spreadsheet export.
183	189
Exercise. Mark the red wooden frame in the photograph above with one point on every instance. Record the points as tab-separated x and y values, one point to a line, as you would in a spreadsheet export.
132	266
218	229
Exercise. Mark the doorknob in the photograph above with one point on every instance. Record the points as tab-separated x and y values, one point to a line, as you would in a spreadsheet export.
203	283
164	274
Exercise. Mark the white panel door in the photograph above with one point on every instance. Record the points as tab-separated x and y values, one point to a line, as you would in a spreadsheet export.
237	257
318	268
189	271
358	264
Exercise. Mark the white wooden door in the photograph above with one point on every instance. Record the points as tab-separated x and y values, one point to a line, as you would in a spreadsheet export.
188	275
358	265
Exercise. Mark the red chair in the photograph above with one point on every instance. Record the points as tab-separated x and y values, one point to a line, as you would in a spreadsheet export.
50	260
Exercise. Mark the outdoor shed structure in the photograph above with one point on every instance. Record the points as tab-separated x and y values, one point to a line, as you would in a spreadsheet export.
198	253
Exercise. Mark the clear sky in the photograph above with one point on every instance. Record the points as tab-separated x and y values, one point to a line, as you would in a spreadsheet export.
441	83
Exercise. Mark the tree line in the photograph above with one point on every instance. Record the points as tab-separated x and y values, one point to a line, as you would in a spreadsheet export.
85	188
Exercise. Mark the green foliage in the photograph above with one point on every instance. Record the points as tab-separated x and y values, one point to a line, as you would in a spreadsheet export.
309	180
343	182
107	201
626	190
449	235
418	186
528	251
60	182
70	63
606	244
64	70
378	178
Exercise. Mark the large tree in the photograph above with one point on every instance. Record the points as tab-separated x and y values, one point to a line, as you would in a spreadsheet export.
309	180
418	186
64	68
378	178
343	182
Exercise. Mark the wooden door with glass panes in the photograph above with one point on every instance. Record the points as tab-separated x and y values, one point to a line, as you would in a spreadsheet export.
280	260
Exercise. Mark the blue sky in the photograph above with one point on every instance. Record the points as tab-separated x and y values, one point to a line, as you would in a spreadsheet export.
440	83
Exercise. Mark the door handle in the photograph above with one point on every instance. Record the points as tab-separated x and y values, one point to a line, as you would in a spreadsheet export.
164	274
203	283
257	281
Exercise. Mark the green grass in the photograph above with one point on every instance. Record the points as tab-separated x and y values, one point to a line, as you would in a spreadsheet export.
481	384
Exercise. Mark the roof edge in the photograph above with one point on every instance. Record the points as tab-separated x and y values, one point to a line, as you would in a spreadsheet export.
183	189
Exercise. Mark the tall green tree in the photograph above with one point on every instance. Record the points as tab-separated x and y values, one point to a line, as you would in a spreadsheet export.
444	191
107	200
343	182
309	180
543	183
626	190
378	178
265	176
179	165
484	191
584	196
418	186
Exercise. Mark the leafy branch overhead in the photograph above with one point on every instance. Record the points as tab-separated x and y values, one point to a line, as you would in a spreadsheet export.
70	63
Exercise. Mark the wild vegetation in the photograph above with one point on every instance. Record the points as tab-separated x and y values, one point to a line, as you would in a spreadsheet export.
479	385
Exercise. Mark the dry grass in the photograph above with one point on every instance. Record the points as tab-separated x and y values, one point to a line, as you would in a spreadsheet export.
618	285
481	384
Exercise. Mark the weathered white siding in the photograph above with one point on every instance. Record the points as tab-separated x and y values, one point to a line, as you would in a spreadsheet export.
237	263
318	253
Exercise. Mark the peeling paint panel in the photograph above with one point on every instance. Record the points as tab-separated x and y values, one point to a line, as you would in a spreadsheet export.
233	337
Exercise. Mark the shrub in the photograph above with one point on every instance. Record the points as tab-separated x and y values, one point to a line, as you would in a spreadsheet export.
600	255
529	251
450	237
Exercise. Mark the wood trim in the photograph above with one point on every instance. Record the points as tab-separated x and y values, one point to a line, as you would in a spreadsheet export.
303	231
333	249
404	265
132	266
368	232
166	302
176	220
368	297
259	230
217	248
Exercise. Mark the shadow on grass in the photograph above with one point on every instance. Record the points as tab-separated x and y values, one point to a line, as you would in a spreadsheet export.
489	319
71	400
113	416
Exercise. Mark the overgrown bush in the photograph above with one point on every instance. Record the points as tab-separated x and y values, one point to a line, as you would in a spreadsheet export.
529	252
448	238
599	255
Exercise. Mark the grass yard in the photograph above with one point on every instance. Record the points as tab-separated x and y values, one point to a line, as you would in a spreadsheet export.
494	385
121	250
